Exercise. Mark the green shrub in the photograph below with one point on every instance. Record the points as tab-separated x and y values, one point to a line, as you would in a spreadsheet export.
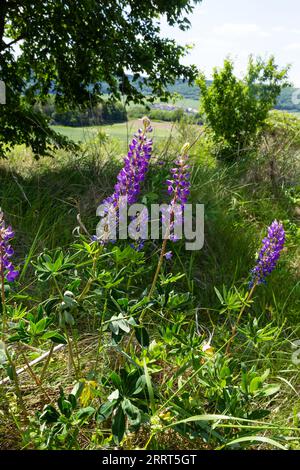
236	109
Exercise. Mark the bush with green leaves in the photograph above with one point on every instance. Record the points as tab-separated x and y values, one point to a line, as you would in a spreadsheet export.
236	109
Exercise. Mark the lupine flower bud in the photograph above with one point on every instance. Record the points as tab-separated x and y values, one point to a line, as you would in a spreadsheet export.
7	269
146	122
269	253
185	148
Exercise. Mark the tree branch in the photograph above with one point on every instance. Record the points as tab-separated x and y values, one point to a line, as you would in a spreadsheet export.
9	44
3	11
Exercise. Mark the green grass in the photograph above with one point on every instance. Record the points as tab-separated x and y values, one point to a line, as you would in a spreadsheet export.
121	131
41	199
187	103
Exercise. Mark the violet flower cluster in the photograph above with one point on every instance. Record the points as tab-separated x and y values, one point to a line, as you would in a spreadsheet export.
179	186
179	189
138	232
269	253
135	167
130	177
7	269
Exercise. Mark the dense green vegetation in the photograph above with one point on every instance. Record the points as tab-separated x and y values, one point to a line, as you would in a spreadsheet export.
112	339
236	109
152	372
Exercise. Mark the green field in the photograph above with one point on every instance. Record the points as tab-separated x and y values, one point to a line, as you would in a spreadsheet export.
187	103
121	131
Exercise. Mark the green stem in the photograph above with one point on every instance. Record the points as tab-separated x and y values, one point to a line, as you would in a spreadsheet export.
2	293
16	381
70	350
235	327
76	349
160	262
159	265
71	355
47	363
100	332
58	288
35	377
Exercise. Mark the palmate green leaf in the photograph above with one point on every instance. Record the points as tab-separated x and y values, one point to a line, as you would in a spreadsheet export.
55	337
84	413
118	425
49	414
263	439
131	411
255	384
140	385
117	323
105	410
116	380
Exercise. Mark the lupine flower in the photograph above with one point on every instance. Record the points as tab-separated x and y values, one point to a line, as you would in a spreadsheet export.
179	186
269	253
139	231
135	167
168	255
179	189
133	173
7	269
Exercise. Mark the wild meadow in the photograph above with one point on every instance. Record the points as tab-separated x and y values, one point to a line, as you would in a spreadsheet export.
145	345
149	229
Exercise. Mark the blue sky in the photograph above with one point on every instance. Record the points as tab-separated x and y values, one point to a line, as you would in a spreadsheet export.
239	28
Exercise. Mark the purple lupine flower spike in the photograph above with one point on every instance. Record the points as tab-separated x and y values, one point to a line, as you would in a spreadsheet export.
135	167
269	254
131	176
7	269
179	189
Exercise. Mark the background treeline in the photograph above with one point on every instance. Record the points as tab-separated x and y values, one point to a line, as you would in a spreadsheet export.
108	112
192	92
105	112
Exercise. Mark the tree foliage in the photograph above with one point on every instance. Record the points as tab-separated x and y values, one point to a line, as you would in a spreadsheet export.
236	109
69	47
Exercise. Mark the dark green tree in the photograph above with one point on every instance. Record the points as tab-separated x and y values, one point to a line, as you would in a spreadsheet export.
71	47
236	109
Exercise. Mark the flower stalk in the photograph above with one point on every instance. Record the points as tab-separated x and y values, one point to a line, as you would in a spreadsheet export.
272	246
179	189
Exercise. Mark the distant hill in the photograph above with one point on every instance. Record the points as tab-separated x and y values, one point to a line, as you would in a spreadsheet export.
284	102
